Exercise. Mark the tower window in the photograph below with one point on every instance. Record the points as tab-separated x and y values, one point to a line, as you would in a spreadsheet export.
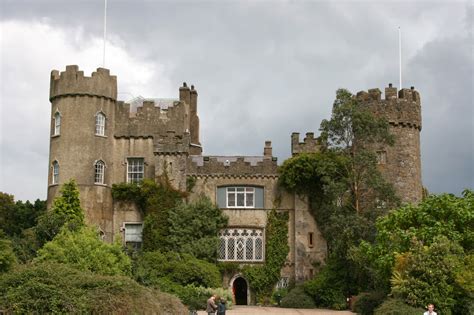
100	124
381	157
240	197
99	168
135	170
57	124
55	174
310	239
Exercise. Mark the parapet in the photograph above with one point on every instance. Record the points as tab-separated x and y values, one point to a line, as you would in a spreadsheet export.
310	144
72	82
232	166
400	108
172	143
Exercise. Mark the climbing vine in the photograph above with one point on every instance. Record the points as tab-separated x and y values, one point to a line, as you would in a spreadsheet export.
262	278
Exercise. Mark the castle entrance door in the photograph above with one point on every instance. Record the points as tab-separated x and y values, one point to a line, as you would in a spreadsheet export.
239	288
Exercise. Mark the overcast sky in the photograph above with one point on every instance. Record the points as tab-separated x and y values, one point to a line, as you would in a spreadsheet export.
263	69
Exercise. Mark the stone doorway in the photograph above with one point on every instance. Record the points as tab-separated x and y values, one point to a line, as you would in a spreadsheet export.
240	288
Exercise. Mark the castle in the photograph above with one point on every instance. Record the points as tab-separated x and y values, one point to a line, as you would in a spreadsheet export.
99	141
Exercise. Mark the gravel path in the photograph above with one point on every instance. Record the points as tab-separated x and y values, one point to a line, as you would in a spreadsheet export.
258	310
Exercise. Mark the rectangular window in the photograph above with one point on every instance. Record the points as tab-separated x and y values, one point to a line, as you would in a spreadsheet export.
100	124
135	170
133	234
99	172
57	124
240	197
237	244
381	157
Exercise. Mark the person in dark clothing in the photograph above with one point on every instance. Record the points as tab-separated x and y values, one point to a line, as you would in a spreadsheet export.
221	307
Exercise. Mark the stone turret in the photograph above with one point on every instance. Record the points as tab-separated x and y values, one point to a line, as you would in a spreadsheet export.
400	164
310	144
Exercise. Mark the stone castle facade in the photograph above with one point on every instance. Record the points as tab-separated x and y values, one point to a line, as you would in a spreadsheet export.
99	141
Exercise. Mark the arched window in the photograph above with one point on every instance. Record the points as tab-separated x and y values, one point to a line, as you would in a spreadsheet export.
99	167
238	244
55	174
57	124
100	124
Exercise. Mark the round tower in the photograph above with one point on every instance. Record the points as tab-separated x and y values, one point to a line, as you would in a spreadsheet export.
401	163
82	115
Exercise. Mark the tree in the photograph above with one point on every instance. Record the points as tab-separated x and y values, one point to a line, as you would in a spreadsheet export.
18	216
7	256
351	131
193	228
66	211
424	249
84	250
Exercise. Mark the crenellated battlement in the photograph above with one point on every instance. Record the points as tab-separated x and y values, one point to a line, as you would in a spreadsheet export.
72	82
310	144
150	119
400	108
232	165
172	143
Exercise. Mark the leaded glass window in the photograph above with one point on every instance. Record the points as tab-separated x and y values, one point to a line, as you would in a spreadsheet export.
237	244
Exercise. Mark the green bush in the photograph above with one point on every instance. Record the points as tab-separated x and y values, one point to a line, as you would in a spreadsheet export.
326	290
278	295
397	307
367	302
181	269
297	298
84	250
7	256
58	288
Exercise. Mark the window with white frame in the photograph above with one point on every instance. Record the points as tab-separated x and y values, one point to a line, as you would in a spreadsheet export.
57	124
55	173
135	170
283	283
240	197
133	234
99	168
100	124
241	244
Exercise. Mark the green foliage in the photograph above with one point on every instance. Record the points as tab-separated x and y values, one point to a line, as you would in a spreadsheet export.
327	287
182	269
278	295
7	256
56	288
367	302
297	298
263	278
447	215
66	211
155	200
84	250
397	307
426	274
193	229
19	216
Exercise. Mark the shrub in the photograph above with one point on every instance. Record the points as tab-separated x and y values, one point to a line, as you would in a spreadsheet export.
84	250
297	298
367	302
278	295
397	307
181	269
326	290
58	288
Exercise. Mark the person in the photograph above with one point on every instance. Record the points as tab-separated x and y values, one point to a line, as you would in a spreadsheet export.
430	310
221	307
211	305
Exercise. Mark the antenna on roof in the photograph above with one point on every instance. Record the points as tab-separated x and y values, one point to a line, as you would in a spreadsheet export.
105	31
400	54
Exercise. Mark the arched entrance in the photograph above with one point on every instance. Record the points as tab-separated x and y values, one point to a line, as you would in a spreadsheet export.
239	287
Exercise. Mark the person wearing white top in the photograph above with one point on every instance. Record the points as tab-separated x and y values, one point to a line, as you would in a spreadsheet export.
430	310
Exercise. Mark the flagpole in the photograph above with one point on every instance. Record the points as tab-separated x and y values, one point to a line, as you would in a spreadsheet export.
105	32
400	55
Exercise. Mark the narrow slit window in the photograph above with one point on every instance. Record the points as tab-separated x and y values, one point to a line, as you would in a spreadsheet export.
57	124
55	175
310	239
